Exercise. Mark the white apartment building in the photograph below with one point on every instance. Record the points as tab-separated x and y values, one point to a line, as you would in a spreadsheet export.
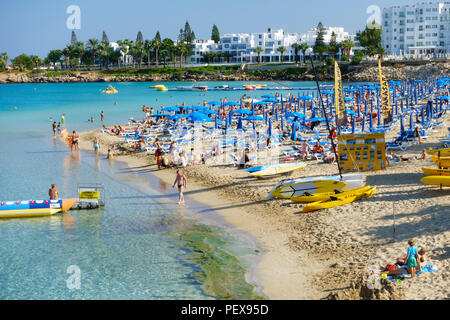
241	46
417	30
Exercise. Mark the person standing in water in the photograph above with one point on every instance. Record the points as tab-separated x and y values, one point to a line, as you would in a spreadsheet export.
101	116
53	192
54	128
181	180
75	140
63	120
96	145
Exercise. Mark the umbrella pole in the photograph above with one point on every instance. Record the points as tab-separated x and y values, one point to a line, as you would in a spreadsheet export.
325	114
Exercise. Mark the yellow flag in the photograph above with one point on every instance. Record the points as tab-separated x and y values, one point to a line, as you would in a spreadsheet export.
384	93
339	103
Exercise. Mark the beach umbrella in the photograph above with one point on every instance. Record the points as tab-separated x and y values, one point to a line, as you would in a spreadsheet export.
282	124
254	118
269	130
270	100
260	103
294	132
402	125
241	111
177	116
444	98
306	98
276	114
209	112
353	125
351	112
171	109
253	108
231	103
239	124
315	120
346	99
363	125
215	103
268	96
294	115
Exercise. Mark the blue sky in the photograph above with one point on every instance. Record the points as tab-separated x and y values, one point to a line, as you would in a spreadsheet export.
36	26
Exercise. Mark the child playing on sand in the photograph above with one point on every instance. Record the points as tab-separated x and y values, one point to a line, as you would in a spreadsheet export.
96	145
412	255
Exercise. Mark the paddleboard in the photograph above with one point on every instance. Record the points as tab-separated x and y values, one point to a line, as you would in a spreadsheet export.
324	196
278	169
436	172
67	137
443	162
445	152
436	180
338	200
288	188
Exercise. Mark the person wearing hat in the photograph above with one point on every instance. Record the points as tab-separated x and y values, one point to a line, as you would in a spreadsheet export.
412	255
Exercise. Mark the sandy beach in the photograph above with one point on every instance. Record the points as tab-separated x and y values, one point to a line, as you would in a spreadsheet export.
324	254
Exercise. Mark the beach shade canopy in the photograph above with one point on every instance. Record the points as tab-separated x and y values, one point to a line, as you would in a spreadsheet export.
209	111
268	96
241	111
254	118
215	102
196	108
315	120
270	100
294	114
170	109
199	117
304	98
260	103
177	116
231	103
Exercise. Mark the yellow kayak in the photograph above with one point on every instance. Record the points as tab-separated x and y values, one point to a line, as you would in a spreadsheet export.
436	180
436	172
445	152
326	195
278	169
443	162
338	200
311	187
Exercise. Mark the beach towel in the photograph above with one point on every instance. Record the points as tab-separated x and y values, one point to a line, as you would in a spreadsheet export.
427	268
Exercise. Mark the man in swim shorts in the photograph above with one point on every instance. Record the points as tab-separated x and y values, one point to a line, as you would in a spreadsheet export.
75	140
53	193
181	180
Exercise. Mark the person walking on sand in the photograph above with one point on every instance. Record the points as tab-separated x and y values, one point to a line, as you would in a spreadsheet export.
412	255
181	180
53	192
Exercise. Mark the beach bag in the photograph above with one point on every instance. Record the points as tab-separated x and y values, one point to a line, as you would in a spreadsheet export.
390	267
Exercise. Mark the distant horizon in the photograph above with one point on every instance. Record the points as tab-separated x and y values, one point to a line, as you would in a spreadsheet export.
36	27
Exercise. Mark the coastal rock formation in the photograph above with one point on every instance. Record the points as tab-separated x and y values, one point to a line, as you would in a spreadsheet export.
359	73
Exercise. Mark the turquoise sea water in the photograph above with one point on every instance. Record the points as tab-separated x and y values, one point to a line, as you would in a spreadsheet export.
140	245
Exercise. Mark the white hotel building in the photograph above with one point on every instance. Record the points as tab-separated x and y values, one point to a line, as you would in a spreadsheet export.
241	46
417	30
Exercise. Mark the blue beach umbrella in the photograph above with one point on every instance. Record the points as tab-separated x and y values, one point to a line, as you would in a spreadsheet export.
215	103
241	111
269	130
254	118
171	109
402	125
270	100
315	120
268	96
231	103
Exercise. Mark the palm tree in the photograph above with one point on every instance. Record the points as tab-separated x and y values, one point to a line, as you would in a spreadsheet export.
93	45
156	44
296	48
148	47
258	51
281	50
182	50
69	52
36	61
168	45
104	52
304	46
346	47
